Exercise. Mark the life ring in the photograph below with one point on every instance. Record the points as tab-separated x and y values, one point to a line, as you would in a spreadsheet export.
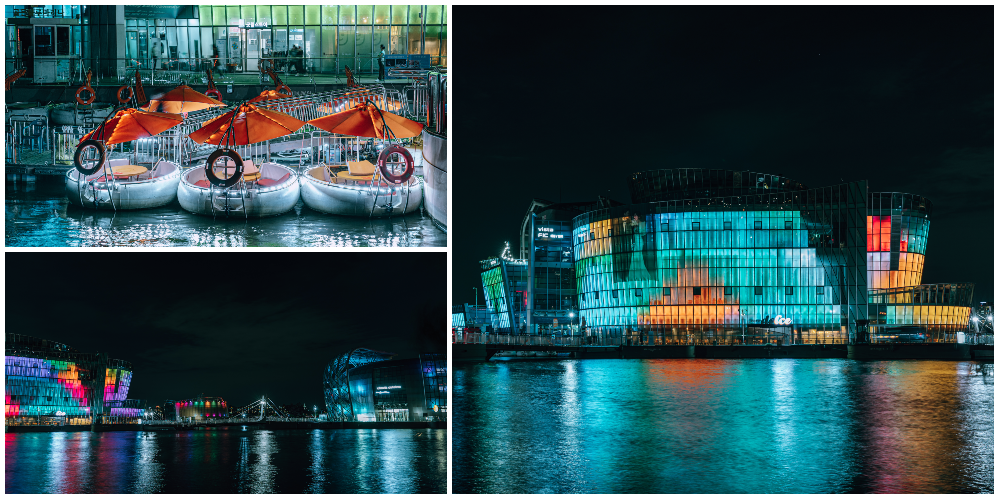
237	175
119	94
384	169
100	161
214	94
90	99
283	86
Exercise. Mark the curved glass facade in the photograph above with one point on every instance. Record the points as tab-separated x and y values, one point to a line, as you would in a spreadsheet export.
367	386
897	229
690	183
48	383
940	311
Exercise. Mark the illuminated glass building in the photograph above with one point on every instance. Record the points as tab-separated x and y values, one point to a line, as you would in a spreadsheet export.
53	40
718	256
369	386
48	383
199	408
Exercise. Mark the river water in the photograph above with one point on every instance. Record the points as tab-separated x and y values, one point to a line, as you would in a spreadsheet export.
228	461
723	426
37	214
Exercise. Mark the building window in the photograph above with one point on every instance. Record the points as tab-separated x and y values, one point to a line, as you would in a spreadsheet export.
788	224
592	235
819	290
665	226
696	226
758	290
597	295
638	292
614	294
609	233
697	290
727	225
728	290
758	224
666	291
788	290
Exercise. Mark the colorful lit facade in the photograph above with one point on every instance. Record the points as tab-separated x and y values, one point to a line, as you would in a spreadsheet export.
199	408
368	386
49	383
719	256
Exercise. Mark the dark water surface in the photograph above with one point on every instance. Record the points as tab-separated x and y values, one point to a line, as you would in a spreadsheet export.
220	461
723	426
38	214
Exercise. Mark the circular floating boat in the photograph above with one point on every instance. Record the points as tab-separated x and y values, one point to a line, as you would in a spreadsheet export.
274	192
104	189
346	194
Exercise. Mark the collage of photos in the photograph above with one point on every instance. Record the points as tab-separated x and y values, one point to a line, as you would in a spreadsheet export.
688	251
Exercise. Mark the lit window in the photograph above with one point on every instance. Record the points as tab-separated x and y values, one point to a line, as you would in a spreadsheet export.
788	290
819	290
609	233
788	224
638	292
728	290
758	290
758	224
696	226
591	235
614	294
596	295
727	225
697	290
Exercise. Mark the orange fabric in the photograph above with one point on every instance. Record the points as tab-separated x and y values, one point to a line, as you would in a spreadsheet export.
182	99
269	95
364	121
252	125
131	124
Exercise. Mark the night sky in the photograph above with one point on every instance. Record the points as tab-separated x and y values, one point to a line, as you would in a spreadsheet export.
268	326
564	103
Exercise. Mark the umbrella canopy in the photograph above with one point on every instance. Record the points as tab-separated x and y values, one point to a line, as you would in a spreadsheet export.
269	95
131	124
365	120
252	124
182	99
349	101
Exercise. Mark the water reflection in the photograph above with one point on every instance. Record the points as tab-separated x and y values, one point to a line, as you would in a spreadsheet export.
228	461
723	426
38	214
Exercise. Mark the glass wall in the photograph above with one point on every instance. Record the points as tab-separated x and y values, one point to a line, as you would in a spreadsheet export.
897	229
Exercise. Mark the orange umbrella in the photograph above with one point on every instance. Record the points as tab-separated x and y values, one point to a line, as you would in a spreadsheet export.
365	120
182	99
131	124
269	95
252	124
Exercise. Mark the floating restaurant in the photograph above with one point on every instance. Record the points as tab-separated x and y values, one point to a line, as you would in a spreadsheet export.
722	257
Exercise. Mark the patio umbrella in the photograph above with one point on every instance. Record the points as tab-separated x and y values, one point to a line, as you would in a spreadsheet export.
269	95
365	120
131	124
182	99
251	125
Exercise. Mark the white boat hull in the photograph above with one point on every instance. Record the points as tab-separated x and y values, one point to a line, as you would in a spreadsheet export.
359	199
122	194
197	196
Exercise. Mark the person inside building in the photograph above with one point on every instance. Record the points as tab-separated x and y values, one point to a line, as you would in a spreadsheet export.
154	52
381	64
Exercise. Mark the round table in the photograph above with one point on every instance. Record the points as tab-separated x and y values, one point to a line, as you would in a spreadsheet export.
250	172
128	170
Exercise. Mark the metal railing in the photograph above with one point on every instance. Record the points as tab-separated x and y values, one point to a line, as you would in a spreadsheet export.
218	421
537	340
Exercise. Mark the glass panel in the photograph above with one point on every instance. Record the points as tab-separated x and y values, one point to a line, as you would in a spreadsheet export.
329	14
397	39
44	45
207	44
345	46
311	48
381	14
312	14
381	38
295	15
62	40
329	41
433	14
364	15
398	14
346	14
249	14
218	15
415	14
413	41
280	14
264	14
233	15
205	15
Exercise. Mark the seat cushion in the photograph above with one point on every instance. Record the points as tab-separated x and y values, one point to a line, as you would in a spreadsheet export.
273	182
202	183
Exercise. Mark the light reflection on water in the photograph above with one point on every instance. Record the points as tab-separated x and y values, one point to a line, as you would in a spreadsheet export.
228	461
723	426
38	214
